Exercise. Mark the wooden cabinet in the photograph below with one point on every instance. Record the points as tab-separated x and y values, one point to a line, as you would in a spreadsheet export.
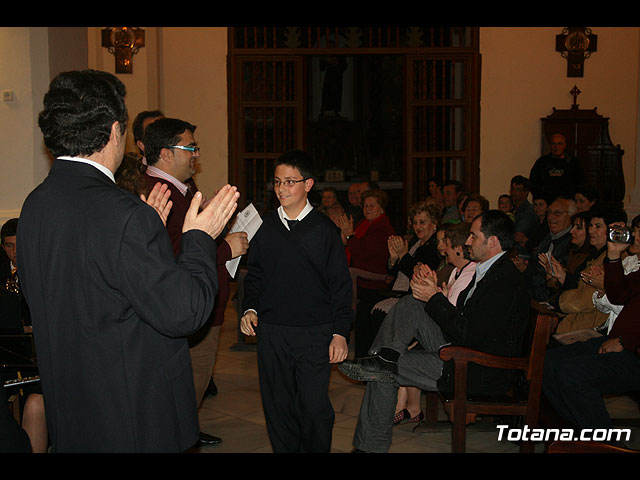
588	140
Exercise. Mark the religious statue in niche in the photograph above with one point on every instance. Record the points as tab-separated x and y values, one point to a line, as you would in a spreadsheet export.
576	44
334	68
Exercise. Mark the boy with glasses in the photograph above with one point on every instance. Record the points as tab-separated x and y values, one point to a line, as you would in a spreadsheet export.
298	285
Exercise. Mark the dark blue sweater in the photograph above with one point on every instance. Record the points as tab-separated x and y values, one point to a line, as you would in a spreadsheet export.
299	277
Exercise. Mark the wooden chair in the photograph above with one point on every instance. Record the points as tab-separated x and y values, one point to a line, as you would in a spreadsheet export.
359	273
462	411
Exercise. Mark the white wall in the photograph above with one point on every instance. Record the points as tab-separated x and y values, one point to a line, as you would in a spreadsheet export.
24	70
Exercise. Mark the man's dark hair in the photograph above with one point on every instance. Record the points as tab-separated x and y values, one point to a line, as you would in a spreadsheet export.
521	180
296	159
79	110
497	223
163	133
455	183
9	229
136	126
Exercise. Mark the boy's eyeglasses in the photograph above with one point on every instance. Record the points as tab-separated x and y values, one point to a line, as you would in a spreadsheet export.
287	183
189	149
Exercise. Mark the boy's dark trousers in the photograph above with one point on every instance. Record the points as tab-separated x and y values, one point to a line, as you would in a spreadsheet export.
294	369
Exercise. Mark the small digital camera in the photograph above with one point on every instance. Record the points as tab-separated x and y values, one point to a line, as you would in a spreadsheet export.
620	235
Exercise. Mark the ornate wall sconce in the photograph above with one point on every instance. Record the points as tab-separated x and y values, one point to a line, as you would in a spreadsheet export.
123	43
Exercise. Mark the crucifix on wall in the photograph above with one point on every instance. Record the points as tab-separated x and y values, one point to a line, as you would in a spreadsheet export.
576	44
123	43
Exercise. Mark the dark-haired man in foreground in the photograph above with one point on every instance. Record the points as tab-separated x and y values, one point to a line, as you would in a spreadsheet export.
491	315
110	304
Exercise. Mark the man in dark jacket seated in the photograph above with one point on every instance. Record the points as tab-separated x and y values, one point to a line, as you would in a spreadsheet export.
557	243
491	315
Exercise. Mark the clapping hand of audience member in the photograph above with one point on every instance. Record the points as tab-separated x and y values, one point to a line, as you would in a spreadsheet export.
239	243
213	218
398	247
594	276
553	268
424	283
346	226
159	200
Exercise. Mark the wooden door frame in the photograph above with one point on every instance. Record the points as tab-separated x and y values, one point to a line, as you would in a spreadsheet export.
472	83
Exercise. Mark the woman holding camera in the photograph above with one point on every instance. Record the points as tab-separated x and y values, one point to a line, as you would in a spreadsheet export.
577	303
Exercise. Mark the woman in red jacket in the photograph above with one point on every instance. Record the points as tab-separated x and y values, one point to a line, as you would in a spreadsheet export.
368	253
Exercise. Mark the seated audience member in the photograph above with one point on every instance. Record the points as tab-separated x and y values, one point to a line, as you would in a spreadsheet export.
408	408
434	185
580	252
540	206
556	243
586	197
525	216
505	204
405	255
576	376
473	206
444	267
403	258
14	316
630	263
490	315
330	205
422	248
576	304
354	207
451	195
368	253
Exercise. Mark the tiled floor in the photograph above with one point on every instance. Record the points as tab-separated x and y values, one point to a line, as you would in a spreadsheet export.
235	413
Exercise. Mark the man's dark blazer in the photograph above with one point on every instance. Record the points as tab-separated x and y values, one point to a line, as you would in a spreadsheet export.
111	307
493	320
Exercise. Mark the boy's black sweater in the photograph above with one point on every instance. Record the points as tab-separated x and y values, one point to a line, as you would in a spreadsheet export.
299	277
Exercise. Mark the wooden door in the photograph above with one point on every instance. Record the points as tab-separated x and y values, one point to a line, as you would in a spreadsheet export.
267	119
441	122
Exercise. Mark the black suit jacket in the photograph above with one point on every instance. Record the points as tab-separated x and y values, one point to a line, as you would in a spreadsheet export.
111	307
493	320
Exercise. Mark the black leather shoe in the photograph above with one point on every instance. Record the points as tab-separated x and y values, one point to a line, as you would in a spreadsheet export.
206	439
370	369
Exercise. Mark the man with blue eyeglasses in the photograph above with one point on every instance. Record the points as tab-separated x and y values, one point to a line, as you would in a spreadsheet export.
171	151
